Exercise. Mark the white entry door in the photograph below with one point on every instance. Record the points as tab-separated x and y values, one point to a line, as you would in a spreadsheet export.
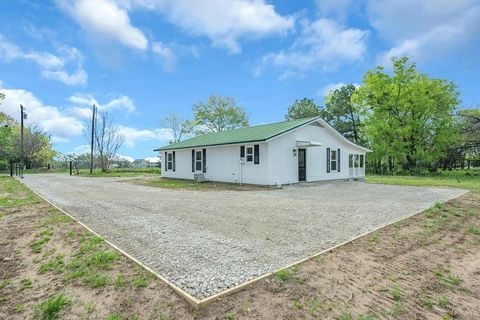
356	166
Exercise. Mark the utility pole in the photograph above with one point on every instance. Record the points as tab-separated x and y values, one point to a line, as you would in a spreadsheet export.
22	116
92	140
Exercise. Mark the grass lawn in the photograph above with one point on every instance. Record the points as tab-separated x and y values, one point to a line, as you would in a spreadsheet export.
424	267
191	185
465	179
114	172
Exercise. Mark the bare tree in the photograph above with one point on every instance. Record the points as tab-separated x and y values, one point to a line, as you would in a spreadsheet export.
75	158
179	126
107	139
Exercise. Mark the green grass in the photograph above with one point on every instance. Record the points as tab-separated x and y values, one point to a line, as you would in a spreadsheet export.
114	172
40	240
142	278
442	302
53	264
122	172
120	281
285	275
397	309
456	179
97	280
474	230
446	278
51	308
25	283
426	301
191	185
57	219
396	293
17	194
90	262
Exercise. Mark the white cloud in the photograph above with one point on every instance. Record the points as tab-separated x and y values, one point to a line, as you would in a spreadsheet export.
105	20
152	159
77	77
166	54
433	30
120	157
81	149
54	66
133	134
50	118
223	22
337	9
84	103
322	43
332	87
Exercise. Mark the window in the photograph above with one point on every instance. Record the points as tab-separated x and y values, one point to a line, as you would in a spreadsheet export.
350	161
249	154
198	160
362	158
169	161
333	160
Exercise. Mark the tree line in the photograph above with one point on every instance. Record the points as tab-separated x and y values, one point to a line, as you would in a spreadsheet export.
412	123
38	147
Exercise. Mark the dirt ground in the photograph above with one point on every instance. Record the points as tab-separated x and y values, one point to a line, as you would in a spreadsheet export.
425	267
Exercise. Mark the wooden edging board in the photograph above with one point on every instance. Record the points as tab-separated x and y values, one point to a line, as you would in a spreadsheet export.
196	303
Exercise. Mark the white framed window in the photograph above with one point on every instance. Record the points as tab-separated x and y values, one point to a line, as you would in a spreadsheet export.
249	154
169	161
333	160
198	160
362	161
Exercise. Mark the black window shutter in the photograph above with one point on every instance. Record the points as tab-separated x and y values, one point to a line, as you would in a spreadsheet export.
338	160
204	159
193	160
328	159
166	165
256	154
242	151
173	160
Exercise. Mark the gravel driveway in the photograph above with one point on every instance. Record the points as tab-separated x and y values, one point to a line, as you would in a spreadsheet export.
208	241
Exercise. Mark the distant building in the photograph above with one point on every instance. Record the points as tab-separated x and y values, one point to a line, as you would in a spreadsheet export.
146	163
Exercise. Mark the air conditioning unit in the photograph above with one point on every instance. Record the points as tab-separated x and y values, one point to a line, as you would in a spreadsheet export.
199	177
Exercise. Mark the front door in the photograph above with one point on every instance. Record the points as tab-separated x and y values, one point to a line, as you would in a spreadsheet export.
302	165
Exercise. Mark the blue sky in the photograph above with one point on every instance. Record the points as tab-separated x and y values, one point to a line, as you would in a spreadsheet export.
142	60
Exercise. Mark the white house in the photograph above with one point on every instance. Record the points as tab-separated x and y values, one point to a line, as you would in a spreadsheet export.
278	153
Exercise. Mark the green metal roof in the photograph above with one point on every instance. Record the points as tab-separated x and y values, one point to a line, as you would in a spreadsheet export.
242	135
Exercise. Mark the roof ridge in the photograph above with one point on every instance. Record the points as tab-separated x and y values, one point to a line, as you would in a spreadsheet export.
260	132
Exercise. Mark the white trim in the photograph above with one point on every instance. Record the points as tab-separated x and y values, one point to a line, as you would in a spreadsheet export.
201	160
247	154
306	144
326	125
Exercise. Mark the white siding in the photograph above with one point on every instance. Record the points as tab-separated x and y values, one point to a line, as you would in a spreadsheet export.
223	164
283	166
277	162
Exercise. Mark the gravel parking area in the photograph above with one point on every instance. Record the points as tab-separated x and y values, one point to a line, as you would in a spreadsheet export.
208	241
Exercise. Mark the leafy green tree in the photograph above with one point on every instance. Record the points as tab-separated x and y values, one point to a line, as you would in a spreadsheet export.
304	108
467	147
343	114
219	114
6	137
410	118
38	147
